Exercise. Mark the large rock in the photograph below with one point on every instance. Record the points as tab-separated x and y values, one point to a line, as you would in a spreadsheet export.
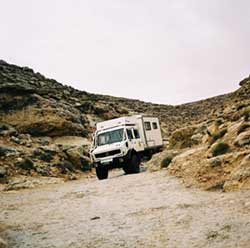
243	139
240	176
26	164
65	166
3	244
86	163
43	170
48	122
45	153
7	130
77	156
3	172
6	151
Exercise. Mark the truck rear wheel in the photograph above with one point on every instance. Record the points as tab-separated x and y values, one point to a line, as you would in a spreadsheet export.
133	165
101	172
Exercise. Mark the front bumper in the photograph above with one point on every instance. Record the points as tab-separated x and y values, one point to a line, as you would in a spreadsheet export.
112	162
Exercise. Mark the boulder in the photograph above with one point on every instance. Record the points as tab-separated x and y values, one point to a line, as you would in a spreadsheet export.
215	162
240	176
86	163
26	164
74	155
3	244
44	153
6	151
197	138
3	172
2	62
65	166
53	129
25	139
44	141
43	170
243	139
7	130
77	156
243	171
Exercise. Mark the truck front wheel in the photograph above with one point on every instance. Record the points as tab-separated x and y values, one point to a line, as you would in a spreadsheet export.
133	165
101	172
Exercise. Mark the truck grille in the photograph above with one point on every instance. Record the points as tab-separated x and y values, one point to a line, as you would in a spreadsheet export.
107	154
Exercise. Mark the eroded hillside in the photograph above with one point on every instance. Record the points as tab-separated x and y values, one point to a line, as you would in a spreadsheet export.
46	126
213	154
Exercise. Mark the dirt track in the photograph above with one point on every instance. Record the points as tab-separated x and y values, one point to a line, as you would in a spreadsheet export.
141	210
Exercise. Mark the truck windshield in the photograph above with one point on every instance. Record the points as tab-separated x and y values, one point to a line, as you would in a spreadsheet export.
110	137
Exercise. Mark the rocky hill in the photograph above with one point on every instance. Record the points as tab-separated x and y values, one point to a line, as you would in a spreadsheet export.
46	126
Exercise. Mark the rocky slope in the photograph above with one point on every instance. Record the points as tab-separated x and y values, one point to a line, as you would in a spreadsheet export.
213	154
46	126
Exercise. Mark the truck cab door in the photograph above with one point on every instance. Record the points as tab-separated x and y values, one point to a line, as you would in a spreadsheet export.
134	140
130	138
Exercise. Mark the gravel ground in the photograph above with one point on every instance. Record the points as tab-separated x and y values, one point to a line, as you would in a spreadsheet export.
140	210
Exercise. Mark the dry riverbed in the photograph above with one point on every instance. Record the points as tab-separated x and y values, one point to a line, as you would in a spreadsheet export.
140	210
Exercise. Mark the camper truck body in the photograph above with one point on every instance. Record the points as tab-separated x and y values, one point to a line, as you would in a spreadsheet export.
123	142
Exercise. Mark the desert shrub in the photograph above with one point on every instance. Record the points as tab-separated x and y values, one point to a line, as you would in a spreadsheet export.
243	127
121	110
246	113
219	121
240	106
166	161
219	149
217	135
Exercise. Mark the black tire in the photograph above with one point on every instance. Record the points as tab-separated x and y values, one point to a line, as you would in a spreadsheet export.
102	172
133	166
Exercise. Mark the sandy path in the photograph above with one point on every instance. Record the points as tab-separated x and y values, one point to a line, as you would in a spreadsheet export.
141	210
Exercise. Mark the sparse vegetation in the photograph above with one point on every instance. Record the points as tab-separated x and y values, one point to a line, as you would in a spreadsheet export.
166	161
246	113
219	121
217	135
220	148
33	107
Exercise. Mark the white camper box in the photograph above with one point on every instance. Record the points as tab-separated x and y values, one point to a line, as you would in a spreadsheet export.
148	127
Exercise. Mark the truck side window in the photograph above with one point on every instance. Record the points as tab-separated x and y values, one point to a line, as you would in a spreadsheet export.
147	125
155	125
129	133
136	134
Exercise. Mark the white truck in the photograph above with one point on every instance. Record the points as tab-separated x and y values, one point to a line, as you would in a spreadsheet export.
123	142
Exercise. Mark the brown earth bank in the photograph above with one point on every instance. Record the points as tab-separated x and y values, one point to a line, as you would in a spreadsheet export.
46	127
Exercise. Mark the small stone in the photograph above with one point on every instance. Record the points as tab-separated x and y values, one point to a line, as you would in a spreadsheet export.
95	218
15	139
19	159
215	162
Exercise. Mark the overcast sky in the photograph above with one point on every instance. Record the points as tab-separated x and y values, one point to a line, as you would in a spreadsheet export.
163	51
